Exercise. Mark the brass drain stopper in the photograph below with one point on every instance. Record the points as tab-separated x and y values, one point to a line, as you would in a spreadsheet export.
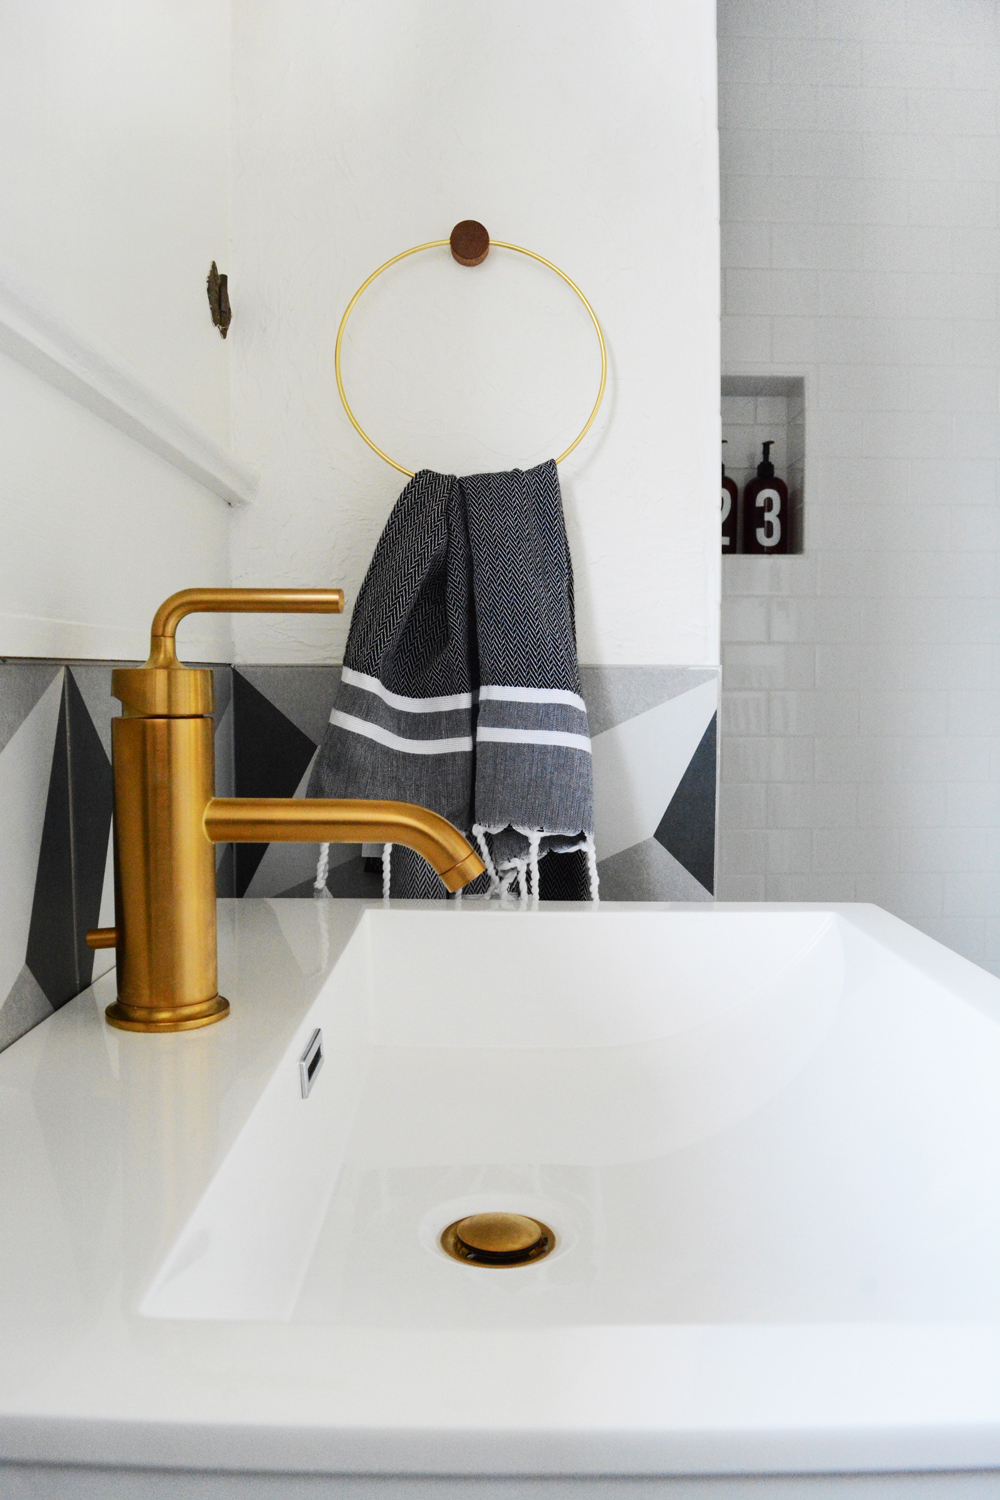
498	1239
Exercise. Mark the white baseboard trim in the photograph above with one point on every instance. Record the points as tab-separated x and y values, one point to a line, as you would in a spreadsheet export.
47	344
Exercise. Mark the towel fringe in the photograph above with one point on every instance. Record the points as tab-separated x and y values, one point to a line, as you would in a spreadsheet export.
322	870
386	870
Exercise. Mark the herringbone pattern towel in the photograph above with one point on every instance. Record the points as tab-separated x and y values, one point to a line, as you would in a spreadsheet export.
460	688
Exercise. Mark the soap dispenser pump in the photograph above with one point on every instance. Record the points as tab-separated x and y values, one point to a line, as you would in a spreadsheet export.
730	510
765	509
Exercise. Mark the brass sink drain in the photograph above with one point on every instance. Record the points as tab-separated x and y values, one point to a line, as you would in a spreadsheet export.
498	1240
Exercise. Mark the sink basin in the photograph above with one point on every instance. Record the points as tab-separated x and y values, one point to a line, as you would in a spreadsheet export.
767	1140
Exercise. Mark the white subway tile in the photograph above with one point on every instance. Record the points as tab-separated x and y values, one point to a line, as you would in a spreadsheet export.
866	294
917	528
818	246
746	341
779	18
745	153
863	387
743	852
975	67
743	59
975	341
887	624
908	247
906	434
742	806
853	20
836	434
861	109
887	711
790	575
744	712
813	713
843	575
818	153
789	851
738	411
757	105
744	619
816	61
908	340
977	434
973	713
957	482
812	805
965	935
767	666
811	887
908	156
855	851
976	248
770	200
973	804
974	894
971	757
909	897
793	340
764	292
840	340
905	65
887	805
746	244
963	204
977	158
771	409
856	758
954	388
951	575
741	887
974	621
862	200
942	849
951	111
941	23
766	759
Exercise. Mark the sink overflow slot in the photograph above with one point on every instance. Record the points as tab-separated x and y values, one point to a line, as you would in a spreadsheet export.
310	1062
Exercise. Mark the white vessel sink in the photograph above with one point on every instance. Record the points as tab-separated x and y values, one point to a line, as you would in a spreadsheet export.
767	1140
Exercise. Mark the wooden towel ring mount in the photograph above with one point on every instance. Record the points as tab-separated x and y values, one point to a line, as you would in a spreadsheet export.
469	243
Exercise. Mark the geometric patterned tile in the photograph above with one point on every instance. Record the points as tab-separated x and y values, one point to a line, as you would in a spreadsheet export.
21	686
270	755
24	1007
25	765
615	694
648	872
687	828
72	857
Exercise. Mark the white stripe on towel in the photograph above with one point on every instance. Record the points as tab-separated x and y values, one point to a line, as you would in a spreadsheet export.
536	737
395	741
532	695
397	700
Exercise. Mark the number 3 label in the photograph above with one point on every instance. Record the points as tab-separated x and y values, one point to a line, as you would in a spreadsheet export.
769	535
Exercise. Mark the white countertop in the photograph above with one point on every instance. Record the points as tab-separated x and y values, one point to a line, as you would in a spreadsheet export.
110	1140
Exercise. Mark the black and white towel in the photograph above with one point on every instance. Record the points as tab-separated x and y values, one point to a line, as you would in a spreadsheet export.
461	690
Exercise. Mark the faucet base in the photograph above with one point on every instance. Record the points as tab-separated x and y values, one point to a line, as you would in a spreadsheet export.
167	1017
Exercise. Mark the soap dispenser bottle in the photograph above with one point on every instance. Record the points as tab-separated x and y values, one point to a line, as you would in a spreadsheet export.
765	509
730	497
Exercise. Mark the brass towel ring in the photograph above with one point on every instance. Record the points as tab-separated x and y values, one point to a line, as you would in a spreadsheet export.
435	245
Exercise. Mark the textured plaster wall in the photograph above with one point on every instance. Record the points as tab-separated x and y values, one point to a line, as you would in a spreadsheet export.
582	131
114	183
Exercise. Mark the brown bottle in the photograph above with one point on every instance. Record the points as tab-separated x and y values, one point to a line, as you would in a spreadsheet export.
765	510
730	498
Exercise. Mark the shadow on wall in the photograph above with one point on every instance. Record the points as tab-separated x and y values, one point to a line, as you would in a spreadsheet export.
655	776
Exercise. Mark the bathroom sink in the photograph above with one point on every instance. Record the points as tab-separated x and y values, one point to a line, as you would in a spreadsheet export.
766	1140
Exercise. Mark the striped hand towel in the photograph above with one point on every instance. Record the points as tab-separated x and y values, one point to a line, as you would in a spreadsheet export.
460	688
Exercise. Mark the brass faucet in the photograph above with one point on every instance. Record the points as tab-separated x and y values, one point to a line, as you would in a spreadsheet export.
168	819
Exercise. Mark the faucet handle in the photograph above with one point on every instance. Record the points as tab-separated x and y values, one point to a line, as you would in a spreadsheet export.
164	687
162	647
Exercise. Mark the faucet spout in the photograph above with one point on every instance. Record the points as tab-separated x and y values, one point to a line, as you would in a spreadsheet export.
264	820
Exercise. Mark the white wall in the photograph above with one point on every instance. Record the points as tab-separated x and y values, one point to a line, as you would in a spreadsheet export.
583	131
114	184
861	247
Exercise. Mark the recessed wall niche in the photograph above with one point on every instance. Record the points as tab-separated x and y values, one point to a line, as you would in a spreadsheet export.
767	408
